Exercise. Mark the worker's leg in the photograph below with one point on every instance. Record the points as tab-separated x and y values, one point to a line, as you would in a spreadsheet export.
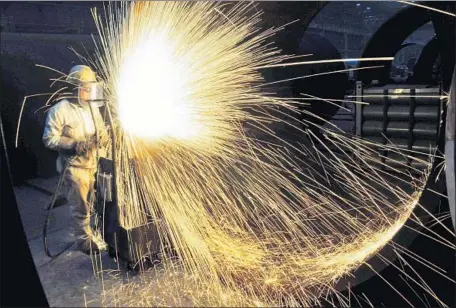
62	196
81	181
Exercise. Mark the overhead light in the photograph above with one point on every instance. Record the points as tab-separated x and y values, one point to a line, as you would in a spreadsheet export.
368	8
358	4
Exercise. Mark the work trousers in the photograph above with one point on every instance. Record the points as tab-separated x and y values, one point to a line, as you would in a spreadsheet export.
80	182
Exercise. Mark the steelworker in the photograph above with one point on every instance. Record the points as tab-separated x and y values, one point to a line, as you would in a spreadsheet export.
73	127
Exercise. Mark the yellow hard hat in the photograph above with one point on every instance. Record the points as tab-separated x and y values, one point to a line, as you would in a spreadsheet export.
85	82
80	74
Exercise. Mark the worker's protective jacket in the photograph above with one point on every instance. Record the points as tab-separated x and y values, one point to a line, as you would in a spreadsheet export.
68	123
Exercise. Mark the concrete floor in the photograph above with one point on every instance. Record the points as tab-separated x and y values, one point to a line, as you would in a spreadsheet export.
69	280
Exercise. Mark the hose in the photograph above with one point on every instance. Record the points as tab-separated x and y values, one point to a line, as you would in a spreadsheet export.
48	217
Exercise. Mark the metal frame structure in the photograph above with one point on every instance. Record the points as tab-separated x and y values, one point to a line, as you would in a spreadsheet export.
137	247
408	115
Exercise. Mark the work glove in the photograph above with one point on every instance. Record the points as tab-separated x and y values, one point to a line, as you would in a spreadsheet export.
65	144
84	146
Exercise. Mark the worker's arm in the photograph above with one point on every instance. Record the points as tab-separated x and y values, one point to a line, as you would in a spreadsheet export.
53	133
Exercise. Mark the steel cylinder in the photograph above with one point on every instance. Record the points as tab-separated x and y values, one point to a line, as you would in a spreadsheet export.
421	130
421	113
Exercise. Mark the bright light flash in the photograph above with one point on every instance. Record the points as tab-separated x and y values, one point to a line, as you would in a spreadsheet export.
152	91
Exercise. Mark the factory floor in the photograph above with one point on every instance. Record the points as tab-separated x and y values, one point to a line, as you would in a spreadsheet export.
69	280
73	279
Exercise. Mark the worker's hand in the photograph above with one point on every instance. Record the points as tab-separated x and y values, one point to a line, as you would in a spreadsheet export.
84	147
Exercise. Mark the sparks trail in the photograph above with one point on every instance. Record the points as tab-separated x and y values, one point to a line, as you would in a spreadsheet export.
255	218
51	96
427	7
234	206
328	61
247	219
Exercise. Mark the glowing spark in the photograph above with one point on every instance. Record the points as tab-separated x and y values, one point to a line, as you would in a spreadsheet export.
329	61
22	110
428	8
321	74
50	68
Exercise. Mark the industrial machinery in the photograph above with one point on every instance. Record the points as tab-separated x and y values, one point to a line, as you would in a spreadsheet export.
405	118
138	247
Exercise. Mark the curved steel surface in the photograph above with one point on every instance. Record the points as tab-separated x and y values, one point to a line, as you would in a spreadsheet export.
298	16
388	40
422	73
320	49
445	31
398	28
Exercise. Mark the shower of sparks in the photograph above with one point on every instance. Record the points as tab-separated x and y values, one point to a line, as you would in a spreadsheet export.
256	217
253	218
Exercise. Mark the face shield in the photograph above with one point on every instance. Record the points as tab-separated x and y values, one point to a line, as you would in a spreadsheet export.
92	93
